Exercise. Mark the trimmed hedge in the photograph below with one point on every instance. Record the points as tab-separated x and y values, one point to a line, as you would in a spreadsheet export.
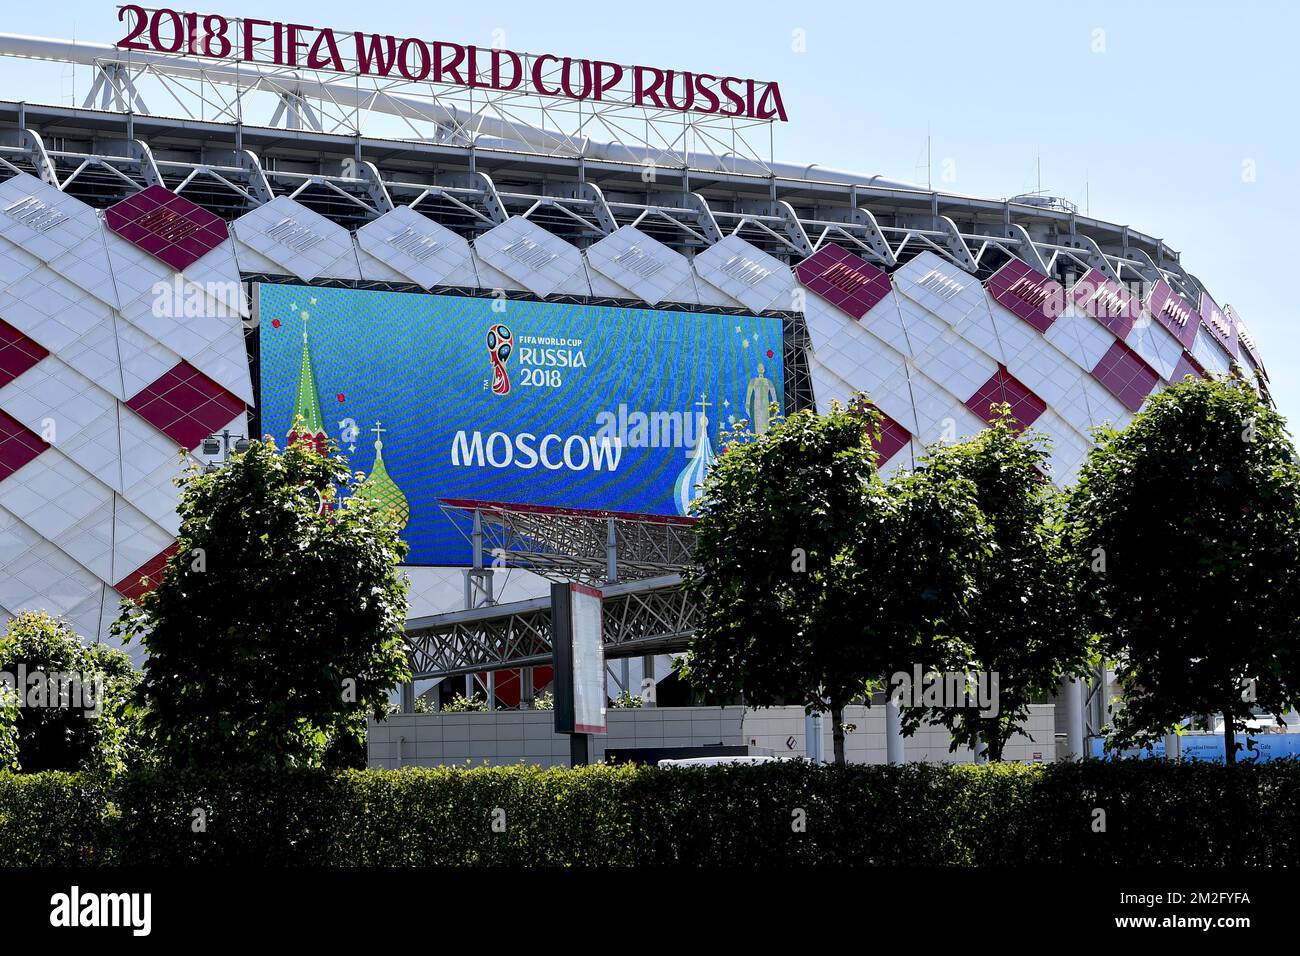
1157	813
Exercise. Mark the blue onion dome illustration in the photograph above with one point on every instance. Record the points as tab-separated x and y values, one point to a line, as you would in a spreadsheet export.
691	479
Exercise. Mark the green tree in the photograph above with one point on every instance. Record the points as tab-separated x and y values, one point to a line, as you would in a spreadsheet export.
1189	521
277	622
76	708
8	729
1022	626
813	580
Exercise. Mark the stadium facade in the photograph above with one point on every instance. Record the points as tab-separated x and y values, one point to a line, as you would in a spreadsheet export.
123	234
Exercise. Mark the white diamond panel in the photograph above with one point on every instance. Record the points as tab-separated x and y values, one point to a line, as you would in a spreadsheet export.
1206	351
940	287
960	366
43	221
51	310
301	241
747	274
540	261
415	247
1080	337
51	494
641	264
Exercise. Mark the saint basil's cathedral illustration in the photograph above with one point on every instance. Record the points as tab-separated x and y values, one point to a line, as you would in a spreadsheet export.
308	425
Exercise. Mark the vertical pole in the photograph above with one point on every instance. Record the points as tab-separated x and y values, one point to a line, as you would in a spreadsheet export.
648	679
1173	747
408	697
611	552
1103	694
895	749
476	540
812	732
1074	718
611	576
473	590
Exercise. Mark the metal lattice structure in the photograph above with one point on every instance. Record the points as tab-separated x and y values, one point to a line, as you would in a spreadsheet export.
472	166
573	544
301	97
650	616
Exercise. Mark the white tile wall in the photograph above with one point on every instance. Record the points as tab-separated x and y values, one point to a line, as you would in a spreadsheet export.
509	737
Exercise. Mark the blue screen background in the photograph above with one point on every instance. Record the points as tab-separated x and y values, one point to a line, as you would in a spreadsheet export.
419	364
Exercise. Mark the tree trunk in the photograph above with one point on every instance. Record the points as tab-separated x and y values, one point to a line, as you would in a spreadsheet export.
837	731
1229	738
993	743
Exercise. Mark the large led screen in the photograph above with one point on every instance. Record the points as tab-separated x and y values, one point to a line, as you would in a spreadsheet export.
577	406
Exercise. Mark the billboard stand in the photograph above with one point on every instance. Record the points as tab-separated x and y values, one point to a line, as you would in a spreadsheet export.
579	750
578	657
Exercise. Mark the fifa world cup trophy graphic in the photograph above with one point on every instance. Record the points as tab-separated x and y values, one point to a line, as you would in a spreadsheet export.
500	343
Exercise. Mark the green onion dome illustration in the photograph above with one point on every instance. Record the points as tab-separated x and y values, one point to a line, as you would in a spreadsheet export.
381	490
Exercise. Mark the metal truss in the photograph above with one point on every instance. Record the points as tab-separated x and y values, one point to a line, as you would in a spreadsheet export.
304	98
230	168
650	616
472	158
570	544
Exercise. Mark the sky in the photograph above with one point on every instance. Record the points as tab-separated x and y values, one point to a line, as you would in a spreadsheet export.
1177	118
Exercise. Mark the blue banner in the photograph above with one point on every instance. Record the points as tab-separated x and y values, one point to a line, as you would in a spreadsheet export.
1254	747
579	406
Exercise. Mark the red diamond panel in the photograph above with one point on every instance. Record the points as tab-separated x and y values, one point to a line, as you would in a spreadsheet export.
146	577
18	445
1028	293
167	226
18	353
1106	301
1126	376
893	438
1172	311
1218	324
1187	366
848	282
1005	387
186	405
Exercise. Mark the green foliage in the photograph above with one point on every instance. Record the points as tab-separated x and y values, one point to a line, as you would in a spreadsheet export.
277	624
1189	523
8	729
58	819
627	699
858	815
544	701
460	704
57	730
777	516
814	578
1021	620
